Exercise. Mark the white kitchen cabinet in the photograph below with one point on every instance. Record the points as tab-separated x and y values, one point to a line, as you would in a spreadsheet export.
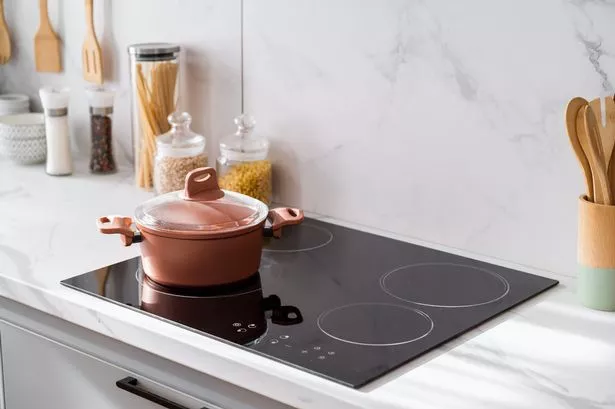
48	362
38	373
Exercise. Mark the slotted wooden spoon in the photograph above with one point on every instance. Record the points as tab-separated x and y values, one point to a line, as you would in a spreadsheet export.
91	52
5	39
606	127
46	44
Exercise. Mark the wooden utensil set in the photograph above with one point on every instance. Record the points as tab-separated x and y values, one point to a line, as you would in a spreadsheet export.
592	137
47	45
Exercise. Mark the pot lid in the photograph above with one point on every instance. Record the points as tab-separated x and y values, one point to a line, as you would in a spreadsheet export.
202	207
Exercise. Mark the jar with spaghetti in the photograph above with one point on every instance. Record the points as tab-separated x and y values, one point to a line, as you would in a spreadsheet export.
178	152
243	166
154	75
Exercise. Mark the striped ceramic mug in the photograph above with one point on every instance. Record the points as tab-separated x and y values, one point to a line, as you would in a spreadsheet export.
596	255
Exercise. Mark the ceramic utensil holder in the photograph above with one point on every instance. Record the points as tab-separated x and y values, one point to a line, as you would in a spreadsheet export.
596	255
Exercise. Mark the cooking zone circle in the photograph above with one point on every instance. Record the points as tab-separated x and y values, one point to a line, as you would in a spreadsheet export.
299	238
445	285
375	324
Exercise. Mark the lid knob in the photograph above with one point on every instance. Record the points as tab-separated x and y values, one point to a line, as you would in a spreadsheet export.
202	185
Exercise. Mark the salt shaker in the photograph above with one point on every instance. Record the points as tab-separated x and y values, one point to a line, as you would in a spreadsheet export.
101	109
55	105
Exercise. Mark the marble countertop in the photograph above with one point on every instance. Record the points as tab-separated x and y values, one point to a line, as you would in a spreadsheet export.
547	353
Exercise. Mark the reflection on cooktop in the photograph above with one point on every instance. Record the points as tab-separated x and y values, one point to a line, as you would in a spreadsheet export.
343	304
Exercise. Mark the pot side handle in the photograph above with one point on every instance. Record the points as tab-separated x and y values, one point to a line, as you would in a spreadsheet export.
119	225
284	216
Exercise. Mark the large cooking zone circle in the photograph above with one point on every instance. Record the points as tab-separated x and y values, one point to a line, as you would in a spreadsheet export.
445	285
375	324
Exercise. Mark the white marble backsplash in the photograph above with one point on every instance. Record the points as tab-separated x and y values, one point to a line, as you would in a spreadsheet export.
433	119
436	119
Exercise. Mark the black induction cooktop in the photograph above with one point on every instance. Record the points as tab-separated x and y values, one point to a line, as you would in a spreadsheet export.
343	304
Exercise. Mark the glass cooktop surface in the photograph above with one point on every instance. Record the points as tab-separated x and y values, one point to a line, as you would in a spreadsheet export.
343	304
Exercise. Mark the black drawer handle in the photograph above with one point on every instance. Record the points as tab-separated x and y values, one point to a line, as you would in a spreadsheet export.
130	384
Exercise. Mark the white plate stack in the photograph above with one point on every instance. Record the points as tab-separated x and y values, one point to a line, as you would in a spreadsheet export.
14	104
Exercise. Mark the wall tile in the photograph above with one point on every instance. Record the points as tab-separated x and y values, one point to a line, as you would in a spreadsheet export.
434	119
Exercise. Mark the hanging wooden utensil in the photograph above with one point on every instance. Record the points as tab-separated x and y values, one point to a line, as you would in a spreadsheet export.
589	136
5	39
46	44
91	52
572	110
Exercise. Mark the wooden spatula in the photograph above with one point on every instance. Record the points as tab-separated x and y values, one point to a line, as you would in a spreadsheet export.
573	127
5	39
589	136
92	58
46	44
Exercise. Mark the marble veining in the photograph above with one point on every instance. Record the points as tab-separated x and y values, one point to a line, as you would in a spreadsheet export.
432	119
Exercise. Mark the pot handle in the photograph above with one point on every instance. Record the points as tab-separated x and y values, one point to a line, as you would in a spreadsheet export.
280	217
119	225
202	185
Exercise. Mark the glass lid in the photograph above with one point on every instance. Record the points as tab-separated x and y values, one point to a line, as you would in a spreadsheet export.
201	207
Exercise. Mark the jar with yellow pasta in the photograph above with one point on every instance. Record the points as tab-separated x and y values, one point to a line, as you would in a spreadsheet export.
243	166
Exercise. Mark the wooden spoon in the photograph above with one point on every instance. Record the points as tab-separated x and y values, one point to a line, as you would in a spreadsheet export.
46	44
91	53
572	111
589	136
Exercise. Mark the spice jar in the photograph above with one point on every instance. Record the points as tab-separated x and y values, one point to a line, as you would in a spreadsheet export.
177	152
243	166
154	72
55	105
101	109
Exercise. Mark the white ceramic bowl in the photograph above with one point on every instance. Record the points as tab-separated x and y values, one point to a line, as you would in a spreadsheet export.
22	138
14	104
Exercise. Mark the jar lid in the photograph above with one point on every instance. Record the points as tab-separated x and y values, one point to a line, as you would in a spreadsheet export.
180	141
243	145
202	208
153	51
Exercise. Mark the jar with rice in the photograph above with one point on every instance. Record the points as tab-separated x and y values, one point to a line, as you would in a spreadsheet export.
243	165
178	152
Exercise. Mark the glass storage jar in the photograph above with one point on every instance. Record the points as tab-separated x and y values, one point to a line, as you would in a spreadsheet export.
177	152
101	110
154	72
243	166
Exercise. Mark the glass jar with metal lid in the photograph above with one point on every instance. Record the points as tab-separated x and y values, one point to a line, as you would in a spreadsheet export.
154	75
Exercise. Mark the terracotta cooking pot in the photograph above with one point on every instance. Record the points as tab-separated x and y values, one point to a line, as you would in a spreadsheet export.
236	312
200	236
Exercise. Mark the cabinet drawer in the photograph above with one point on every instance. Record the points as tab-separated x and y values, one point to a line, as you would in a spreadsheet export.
42	374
